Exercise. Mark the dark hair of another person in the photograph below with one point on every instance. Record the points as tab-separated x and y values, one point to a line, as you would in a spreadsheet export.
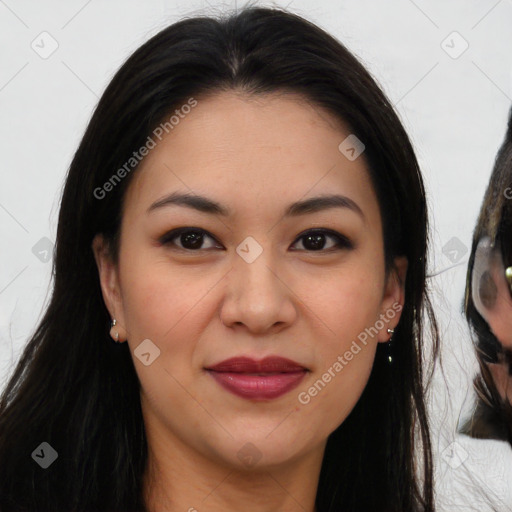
492	416
77	390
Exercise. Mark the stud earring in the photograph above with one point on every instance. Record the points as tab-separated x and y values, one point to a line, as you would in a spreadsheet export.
116	333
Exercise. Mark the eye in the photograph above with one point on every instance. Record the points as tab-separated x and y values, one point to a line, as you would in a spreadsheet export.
191	239
314	240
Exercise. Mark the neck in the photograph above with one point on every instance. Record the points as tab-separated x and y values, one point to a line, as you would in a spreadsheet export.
179	478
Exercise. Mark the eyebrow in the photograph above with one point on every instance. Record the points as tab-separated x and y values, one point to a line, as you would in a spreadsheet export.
206	205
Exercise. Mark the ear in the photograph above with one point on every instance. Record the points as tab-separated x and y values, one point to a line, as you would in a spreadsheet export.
393	299
109	281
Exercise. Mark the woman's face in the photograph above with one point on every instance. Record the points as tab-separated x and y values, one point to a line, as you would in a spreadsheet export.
248	278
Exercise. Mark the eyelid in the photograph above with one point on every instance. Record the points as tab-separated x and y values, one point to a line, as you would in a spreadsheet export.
343	242
175	233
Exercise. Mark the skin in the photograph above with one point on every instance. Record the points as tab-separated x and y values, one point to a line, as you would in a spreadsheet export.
254	156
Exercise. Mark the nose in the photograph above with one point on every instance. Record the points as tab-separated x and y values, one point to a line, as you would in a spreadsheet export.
257	296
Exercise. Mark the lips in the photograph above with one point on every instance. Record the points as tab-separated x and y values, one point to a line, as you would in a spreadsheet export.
266	379
271	364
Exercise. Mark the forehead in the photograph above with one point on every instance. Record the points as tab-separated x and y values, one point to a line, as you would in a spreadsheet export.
277	147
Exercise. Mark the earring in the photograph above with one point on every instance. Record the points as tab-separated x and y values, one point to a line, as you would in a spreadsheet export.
116	333
390	347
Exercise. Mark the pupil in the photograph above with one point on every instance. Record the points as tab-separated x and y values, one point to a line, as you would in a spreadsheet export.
192	238
317	241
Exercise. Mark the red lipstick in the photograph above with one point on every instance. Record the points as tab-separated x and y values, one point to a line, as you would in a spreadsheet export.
258	380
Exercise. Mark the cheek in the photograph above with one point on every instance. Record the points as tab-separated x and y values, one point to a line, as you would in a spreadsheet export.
337	386
346	306
164	307
158	301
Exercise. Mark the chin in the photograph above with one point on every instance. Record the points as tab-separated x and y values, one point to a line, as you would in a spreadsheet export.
257	451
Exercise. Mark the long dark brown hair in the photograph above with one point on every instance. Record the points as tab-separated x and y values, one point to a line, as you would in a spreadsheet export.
77	390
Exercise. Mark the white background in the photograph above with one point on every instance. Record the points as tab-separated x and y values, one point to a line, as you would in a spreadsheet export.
455	110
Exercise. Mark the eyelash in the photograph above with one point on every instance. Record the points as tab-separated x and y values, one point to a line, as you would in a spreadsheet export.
342	241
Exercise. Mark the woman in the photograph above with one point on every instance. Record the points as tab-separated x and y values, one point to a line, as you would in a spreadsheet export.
204	347
488	303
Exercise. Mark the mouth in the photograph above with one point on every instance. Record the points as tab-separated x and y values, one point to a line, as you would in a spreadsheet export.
261	380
